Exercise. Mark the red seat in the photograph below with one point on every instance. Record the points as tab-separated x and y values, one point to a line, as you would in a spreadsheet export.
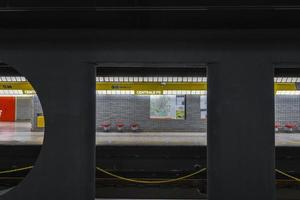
290	125
134	126
120	125
277	125
106	126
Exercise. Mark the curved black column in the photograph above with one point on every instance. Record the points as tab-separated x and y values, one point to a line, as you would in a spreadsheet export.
65	168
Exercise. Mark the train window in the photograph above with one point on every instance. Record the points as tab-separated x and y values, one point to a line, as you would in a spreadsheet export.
287	132
142	116
21	127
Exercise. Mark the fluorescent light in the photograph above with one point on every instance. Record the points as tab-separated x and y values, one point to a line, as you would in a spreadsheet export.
284	79
11	92
294	79
286	92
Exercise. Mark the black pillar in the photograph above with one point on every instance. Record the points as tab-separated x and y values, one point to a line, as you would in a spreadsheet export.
241	129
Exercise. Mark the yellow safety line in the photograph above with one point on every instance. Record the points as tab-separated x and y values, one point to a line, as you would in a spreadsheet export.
287	175
16	170
150	182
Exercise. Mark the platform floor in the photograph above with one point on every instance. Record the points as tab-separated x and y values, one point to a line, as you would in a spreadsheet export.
19	133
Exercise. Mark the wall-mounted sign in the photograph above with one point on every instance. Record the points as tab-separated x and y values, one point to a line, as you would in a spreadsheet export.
203	107
180	107
29	92
15	86
167	107
148	92
137	86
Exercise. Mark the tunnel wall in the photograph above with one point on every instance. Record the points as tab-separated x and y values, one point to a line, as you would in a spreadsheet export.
136	109
24	108
130	109
287	109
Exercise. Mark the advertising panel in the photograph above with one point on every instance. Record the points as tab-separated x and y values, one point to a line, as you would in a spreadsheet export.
167	107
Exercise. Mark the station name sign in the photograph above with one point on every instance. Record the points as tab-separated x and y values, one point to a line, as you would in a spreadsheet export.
148	92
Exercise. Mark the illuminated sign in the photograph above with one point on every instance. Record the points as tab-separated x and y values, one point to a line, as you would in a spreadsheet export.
148	92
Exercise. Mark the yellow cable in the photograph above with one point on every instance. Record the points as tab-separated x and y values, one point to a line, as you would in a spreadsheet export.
287	175
150	182
16	170
145	181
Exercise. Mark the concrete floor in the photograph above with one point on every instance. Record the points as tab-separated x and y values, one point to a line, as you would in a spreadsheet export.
20	134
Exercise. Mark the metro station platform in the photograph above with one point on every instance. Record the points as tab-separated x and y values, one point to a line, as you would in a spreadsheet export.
19	133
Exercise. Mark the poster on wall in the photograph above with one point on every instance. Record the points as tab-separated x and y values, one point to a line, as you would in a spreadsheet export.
167	107
180	107
203	107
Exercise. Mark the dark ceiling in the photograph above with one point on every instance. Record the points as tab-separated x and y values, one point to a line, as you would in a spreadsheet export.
6	70
149	14
150	71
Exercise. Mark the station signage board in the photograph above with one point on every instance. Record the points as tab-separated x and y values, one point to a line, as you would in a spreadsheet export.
167	107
